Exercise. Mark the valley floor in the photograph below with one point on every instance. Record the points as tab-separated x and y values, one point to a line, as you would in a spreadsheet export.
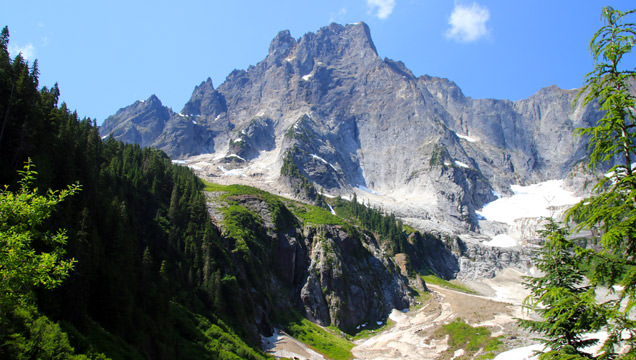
411	334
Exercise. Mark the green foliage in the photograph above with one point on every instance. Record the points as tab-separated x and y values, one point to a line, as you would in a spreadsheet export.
299	132
212	337
93	337
241	224
473	340
611	210
22	267
567	308
389	229
439	155
281	216
234	189
317	215
435	280
609	85
331	345
370	330
409	229
37	337
279	206
30	257
298	179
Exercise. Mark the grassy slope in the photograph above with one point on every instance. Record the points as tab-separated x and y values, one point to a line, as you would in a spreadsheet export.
329	343
475	341
432	279
307	213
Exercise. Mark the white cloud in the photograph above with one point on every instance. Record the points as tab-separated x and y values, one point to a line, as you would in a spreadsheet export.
384	8
28	51
468	23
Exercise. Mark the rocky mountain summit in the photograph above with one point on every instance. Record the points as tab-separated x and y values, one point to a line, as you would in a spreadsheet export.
327	109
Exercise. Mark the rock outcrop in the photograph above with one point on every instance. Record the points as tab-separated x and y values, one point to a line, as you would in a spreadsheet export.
349	280
334	275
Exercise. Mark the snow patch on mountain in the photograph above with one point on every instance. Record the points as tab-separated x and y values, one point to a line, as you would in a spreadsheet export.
366	189
537	200
322	160
234	156
503	240
467	138
461	164
233	172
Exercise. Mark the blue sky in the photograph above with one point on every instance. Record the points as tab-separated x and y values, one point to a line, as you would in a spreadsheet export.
106	54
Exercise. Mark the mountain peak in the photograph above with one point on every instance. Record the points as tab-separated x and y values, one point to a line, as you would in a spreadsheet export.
204	86
351	36
153	100
356	33
205	100
362	30
282	44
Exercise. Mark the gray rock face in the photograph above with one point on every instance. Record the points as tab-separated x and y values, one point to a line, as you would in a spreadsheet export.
479	261
256	137
356	121
337	277
349	280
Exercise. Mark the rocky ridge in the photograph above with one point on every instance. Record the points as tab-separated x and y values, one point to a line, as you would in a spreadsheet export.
352	122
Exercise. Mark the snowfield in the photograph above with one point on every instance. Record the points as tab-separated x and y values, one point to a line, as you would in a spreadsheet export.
503	240
233	172
529	201
532	201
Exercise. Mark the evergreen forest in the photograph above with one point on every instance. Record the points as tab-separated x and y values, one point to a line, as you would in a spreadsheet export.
149	275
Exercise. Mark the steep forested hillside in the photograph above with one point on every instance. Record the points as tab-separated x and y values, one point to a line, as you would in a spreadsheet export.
148	259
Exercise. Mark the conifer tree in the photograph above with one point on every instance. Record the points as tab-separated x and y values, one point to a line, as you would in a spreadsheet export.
611	208
567	309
